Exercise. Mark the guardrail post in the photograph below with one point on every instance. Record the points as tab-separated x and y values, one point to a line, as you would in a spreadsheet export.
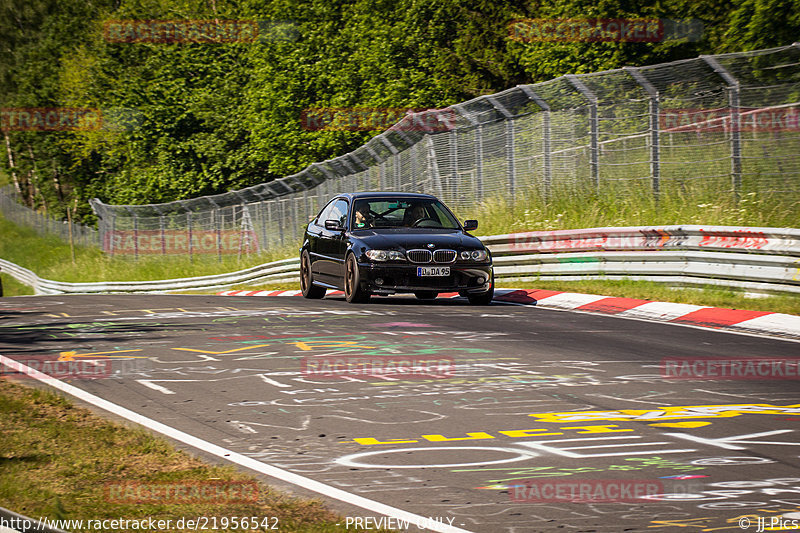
736	130
594	153
655	142
546	137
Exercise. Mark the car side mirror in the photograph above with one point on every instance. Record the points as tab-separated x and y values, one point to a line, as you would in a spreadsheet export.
470	225
333	225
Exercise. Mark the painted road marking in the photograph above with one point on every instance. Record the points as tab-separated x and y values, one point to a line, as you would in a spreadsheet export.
70	356
230	455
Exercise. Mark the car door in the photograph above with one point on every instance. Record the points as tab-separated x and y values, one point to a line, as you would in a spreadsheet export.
314	234
332	245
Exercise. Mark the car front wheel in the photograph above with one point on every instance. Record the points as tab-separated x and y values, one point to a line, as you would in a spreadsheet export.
309	290
353	292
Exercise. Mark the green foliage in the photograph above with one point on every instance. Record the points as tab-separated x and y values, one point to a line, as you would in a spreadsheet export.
187	119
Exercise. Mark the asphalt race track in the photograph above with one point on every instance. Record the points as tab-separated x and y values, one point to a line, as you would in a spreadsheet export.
502	418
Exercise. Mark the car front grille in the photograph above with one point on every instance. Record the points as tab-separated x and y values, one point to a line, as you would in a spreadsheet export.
444	256
419	256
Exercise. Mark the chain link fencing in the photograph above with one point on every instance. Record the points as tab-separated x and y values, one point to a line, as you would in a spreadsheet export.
725	123
13	210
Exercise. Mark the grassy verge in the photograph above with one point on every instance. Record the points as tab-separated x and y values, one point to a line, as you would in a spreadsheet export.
61	461
12	287
51	257
568	209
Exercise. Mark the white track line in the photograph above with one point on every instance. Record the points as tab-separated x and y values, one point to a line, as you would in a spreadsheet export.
228	455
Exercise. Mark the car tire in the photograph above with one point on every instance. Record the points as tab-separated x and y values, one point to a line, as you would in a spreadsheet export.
426	295
309	290
483	298
353	292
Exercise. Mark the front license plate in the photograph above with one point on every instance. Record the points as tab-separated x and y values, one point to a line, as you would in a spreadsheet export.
433	271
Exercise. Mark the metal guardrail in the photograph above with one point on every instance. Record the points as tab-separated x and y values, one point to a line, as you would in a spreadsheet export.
23	524
754	259
284	271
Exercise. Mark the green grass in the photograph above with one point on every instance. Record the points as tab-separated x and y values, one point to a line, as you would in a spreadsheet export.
12	287
568	209
50	258
56	460
617	205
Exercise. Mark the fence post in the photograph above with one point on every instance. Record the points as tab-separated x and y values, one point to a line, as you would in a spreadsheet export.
215	225
436	177
510	145
594	156
655	141
280	220
478	150
378	160
162	229
189	231
295	219
135	233
546	134
736	130
394	157
113	231
453	145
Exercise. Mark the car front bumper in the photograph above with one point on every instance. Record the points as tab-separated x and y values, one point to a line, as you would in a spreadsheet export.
389	278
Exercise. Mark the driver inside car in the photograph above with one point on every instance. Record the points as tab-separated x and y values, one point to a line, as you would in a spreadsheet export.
414	214
363	219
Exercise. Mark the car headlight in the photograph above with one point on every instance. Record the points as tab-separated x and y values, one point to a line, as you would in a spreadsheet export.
385	255
474	255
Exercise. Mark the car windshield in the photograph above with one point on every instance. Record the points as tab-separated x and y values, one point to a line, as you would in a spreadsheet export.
402	213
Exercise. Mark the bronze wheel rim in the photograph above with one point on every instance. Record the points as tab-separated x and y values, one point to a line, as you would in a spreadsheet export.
350	279
304	274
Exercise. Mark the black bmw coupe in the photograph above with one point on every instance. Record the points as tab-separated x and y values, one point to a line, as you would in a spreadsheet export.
385	243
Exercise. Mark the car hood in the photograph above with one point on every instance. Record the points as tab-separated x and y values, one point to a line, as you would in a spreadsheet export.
419	238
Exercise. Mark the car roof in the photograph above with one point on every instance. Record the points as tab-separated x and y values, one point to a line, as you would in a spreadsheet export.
384	194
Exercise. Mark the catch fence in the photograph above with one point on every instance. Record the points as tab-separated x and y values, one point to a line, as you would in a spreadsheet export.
724	124
13	210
